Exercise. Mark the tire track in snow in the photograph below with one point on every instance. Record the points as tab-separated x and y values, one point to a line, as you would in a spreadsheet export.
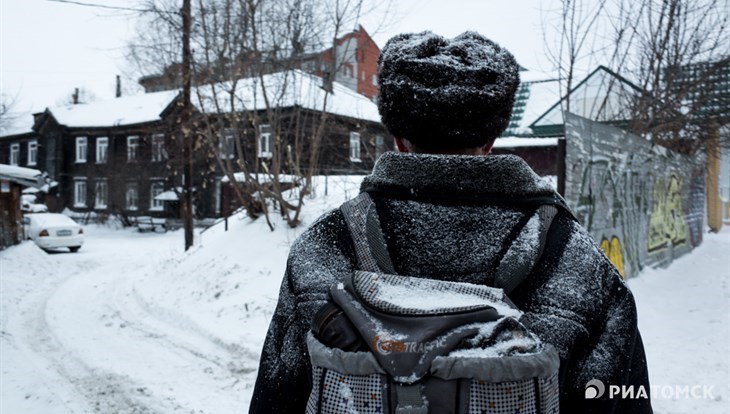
105	349
64	371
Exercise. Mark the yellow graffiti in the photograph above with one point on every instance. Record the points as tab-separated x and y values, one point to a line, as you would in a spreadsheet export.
667	225
614	253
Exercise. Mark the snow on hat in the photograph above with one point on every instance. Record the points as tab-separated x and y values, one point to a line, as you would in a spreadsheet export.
443	93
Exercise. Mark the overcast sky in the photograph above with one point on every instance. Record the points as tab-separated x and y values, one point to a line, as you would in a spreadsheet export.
49	48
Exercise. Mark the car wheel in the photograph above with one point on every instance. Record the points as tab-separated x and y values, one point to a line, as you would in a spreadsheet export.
74	249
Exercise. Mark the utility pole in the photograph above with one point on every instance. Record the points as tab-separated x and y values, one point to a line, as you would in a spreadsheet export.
187	136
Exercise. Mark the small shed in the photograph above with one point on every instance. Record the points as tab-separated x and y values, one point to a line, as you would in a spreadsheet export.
12	181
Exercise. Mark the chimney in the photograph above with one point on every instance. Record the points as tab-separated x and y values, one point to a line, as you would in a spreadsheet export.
119	86
75	96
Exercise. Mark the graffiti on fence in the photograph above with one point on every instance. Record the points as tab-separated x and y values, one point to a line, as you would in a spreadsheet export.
643	204
667	225
615	253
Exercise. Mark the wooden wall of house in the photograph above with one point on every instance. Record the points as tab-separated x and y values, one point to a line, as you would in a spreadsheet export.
543	160
11	230
117	171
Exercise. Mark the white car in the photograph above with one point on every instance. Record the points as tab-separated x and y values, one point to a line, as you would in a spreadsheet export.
52	230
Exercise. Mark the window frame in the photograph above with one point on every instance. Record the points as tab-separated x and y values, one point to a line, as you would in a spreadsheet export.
156	205
14	156
82	143
264	135
379	145
101	193
33	152
133	155
355	149
131	206
80	202
105	158
159	153
227	144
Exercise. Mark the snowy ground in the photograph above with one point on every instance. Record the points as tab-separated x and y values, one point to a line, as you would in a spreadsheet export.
131	324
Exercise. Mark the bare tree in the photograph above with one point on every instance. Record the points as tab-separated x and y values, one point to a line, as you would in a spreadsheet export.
7	105
245	59
676	51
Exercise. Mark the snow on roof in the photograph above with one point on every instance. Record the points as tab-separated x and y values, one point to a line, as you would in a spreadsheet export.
602	96
262	178
515	142
13	171
20	123
168	195
126	110
284	89
543	95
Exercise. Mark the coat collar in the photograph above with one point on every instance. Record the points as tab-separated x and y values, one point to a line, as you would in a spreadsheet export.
459	177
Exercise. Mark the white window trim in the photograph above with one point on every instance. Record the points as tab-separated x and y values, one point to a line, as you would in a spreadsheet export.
33	152
14	158
259	148
224	144
379	145
161	206
77	181
130	146
159	153
105	158
82	141
101	204
355	137
129	207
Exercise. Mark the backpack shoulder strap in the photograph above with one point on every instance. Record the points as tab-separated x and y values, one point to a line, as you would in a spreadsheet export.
525	250
370	247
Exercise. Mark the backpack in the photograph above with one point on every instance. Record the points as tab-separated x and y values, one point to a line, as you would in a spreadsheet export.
392	344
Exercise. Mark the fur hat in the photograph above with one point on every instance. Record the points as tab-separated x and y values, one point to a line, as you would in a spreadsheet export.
446	93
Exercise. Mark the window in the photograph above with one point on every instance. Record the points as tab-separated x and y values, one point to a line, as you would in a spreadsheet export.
32	152
158	147
375	80
156	189
132	196
80	192
379	145
14	154
132	148
218	195
227	144
81	149
101	193
264	141
102	150
354	147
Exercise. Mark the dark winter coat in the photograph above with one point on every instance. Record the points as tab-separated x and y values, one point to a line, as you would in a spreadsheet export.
449	217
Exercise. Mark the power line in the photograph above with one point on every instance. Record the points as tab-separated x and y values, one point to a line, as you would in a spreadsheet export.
102	6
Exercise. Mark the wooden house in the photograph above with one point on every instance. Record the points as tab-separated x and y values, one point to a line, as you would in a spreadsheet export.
124	156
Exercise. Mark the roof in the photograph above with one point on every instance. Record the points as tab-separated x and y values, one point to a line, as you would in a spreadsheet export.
21	175
516	142
532	100
283	89
126	110
19	124
602	96
262	178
